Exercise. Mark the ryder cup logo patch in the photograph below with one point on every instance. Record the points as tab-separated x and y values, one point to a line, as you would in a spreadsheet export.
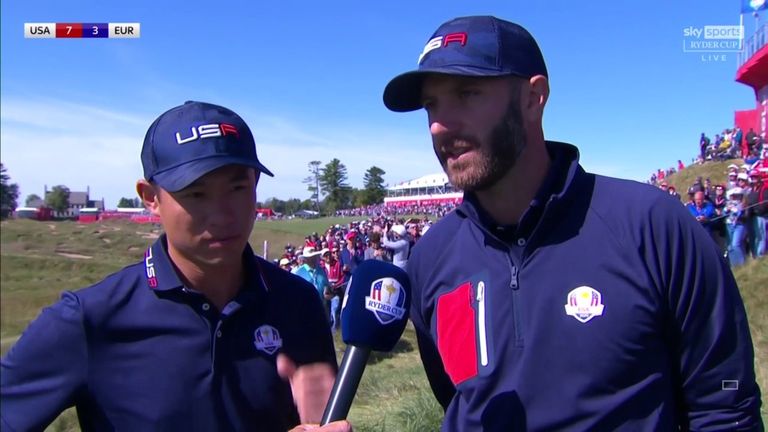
386	300
584	303
266	338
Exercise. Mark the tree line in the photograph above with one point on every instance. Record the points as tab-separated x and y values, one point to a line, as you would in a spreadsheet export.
327	185
9	193
330	191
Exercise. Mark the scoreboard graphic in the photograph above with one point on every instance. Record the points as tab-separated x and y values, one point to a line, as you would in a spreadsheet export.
82	30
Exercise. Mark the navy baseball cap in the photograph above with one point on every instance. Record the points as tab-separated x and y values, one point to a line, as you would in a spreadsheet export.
191	140
479	46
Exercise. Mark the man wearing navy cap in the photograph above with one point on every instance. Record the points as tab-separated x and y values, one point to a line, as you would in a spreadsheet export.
548	300
199	335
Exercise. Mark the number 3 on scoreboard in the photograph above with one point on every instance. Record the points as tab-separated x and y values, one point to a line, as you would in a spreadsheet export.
95	30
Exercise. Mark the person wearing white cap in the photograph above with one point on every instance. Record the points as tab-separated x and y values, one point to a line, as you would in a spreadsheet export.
734	222
397	241
285	264
742	181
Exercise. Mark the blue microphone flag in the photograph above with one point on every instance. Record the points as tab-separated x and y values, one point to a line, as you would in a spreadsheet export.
375	308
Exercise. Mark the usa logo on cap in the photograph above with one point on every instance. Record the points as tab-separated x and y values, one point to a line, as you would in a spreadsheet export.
584	303
386	300
442	41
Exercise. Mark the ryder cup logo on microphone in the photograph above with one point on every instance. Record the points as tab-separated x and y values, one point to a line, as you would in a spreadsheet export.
386	300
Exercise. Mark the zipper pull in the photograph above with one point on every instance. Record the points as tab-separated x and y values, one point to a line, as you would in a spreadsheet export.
481	331
513	278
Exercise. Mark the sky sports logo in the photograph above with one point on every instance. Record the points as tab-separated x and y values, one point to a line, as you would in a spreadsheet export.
713	38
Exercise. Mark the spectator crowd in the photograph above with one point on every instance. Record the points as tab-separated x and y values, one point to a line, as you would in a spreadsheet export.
734	213
383	210
729	144
327	260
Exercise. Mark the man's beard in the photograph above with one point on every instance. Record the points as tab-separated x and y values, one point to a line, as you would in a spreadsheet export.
505	144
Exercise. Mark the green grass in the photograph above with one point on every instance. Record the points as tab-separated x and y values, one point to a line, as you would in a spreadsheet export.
753	280
34	273
393	395
715	171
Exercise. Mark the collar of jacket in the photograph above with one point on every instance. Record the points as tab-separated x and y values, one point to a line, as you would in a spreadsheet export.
168	280
560	183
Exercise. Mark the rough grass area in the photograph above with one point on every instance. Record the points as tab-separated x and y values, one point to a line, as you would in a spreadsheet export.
394	394
715	171
753	284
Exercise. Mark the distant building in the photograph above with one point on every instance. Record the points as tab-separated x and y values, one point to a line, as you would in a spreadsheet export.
753	71
426	190
77	201
307	214
35	213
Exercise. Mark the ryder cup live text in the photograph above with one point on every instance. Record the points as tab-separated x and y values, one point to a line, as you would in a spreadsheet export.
713	38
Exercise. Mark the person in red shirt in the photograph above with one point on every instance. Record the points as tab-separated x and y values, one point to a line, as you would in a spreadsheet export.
333	295
333	268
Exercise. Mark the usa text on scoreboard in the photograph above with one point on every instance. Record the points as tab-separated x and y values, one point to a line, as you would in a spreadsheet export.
82	30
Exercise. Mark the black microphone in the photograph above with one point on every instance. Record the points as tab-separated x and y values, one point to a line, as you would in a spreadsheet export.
373	316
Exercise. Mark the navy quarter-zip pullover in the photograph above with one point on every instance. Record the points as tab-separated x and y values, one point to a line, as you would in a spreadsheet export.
606	308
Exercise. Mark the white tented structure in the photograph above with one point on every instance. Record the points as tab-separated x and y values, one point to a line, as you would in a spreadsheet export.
427	190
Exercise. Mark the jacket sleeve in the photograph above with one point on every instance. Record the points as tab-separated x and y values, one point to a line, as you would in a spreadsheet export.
397	245
707	328
441	384
309	340
42	373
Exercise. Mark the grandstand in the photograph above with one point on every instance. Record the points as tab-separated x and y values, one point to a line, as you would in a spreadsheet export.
430	189
753	72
